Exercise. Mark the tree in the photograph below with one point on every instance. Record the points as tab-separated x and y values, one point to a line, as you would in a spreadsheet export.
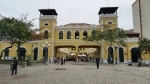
38	35
17	29
109	36
144	45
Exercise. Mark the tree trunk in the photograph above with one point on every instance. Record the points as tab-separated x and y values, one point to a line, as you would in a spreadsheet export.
1	55
18	51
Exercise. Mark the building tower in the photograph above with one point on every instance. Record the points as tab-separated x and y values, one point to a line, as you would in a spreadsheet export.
108	15
47	22
141	17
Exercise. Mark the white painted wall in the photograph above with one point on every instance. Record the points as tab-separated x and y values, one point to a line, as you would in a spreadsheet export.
145	13
136	17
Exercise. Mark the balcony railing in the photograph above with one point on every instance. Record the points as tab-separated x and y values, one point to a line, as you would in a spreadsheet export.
48	17
108	15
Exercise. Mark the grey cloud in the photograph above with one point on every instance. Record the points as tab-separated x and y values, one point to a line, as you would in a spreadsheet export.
69	11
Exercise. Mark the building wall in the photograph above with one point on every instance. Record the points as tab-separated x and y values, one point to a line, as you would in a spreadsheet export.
55	42
145	13
136	17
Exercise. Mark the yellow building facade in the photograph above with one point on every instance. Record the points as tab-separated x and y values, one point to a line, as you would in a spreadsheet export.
65	40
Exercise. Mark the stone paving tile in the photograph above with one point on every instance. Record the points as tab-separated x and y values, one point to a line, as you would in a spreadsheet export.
76	73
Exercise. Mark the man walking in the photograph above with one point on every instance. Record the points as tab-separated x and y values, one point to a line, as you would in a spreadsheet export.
15	64
97	62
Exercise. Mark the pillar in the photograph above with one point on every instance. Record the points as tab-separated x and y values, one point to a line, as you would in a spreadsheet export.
77	50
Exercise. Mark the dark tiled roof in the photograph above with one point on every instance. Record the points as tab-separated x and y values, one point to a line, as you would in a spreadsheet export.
107	10
78	24
130	32
48	11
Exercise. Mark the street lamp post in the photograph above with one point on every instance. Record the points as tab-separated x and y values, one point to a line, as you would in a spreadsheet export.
116	46
46	45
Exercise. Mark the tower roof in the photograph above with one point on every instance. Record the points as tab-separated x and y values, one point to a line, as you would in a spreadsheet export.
107	10
48	11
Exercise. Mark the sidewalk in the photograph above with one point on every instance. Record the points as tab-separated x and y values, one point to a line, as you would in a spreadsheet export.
76	73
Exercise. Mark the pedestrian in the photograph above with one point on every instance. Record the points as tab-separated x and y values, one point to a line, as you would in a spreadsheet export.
64	60
61	60
15	64
97	62
140	62
90	58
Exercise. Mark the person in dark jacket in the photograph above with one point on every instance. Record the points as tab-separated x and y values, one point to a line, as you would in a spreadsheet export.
15	64
61	59
97	62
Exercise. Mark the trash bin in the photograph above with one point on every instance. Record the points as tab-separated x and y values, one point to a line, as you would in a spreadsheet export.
11	66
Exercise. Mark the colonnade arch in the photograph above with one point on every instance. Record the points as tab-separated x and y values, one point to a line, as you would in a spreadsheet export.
22	53
35	53
135	54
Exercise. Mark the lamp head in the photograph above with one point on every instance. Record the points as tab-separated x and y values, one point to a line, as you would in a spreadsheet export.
46	42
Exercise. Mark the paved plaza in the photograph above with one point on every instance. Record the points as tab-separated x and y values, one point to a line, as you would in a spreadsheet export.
76	73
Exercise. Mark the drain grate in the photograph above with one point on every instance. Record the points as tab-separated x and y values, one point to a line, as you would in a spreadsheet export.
60	69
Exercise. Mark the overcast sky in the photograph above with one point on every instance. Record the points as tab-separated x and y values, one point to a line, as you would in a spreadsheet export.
69	11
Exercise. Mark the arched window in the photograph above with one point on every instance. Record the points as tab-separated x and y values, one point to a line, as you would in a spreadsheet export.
46	24
93	32
85	34
77	34
109	22
45	34
60	34
69	34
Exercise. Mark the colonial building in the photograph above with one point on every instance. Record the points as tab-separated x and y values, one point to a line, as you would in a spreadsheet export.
66	40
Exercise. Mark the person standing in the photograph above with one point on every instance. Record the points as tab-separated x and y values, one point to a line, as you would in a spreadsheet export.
15	64
61	59
97	62
64	60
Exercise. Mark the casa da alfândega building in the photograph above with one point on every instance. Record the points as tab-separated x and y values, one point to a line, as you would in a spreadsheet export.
66	40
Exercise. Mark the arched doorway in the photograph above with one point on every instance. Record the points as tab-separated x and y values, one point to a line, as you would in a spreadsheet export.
22	54
121	54
35	53
45	52
110	55
6	53
135	54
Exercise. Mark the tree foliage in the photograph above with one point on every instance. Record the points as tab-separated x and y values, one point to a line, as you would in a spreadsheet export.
109	36
15	31
144	45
